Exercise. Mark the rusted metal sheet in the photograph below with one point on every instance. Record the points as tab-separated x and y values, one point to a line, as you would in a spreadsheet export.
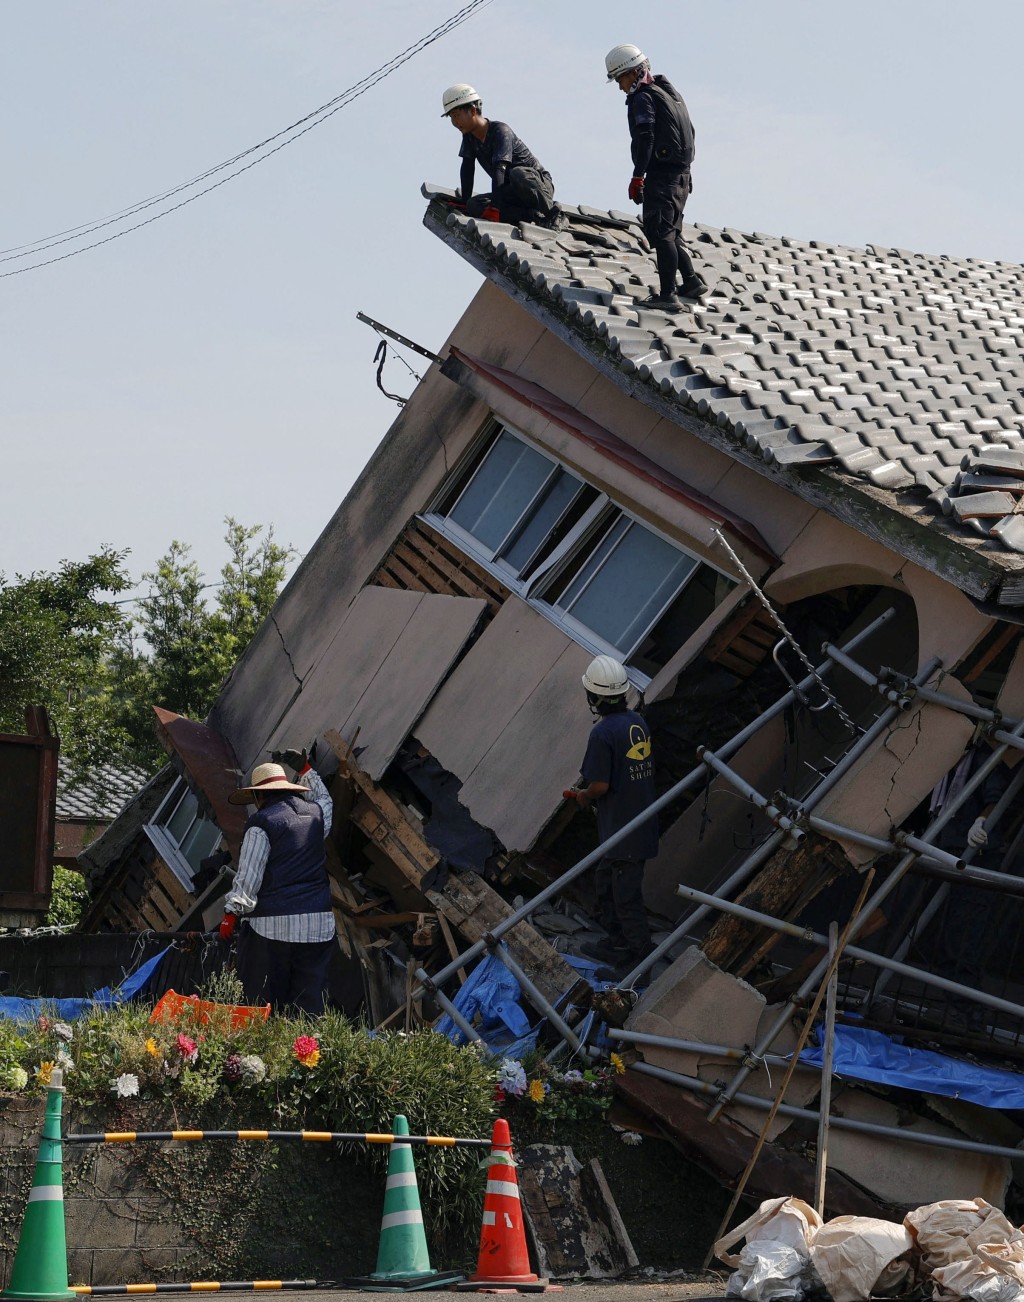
211	766
28	795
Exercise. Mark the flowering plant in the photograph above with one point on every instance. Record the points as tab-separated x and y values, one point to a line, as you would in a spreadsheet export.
551	1095
307	1050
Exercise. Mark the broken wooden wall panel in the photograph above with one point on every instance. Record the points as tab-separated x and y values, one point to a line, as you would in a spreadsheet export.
466	900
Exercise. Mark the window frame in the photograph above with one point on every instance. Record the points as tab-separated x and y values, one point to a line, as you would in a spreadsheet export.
168	848
588	532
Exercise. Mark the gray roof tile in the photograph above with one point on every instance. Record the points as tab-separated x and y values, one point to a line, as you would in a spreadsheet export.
902	368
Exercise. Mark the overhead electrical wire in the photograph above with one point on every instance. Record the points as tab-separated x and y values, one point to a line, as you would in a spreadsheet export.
285	136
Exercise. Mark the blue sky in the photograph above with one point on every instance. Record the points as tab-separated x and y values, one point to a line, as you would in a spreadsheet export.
211	364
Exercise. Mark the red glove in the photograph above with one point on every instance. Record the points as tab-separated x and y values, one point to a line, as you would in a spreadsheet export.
636	189
227	926
490	214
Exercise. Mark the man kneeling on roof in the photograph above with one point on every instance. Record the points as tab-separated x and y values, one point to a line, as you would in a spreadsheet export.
522	189
281	890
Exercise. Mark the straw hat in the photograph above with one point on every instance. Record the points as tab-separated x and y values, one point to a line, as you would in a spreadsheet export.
265	777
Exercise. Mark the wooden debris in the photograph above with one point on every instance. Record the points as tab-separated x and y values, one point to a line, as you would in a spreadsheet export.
576	1225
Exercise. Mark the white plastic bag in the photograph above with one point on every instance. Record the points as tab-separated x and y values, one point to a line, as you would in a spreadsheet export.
855	1255
775	1263
993	1273
951	1230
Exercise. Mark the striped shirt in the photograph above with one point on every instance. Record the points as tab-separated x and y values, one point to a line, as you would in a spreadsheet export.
304	928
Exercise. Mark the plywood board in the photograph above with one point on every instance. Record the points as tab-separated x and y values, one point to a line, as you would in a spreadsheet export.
391	654
512	723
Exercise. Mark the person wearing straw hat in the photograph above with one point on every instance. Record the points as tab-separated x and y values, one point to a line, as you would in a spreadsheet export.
281	890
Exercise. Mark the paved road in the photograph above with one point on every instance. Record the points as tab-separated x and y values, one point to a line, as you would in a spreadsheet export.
707	1288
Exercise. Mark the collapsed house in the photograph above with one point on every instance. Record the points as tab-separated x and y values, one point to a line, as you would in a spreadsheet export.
794	514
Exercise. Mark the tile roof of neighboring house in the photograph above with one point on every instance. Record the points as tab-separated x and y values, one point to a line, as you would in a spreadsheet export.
101	794
902	373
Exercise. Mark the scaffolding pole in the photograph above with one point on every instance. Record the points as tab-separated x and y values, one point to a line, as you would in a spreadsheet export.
907	1136
692	779
874	903
768	848
852	951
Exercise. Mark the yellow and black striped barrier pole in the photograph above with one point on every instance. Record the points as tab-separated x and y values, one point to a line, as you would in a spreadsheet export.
306	1136
201	1286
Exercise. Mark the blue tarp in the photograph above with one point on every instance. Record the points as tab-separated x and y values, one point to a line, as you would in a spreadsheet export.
869	1055
28	1010
492	991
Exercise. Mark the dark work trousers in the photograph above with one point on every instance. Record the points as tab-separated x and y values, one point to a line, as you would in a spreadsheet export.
286	974
619	884
528	195
665	195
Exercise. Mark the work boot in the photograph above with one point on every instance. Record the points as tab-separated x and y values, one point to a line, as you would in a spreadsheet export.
694	287
556	220
606	951
658	303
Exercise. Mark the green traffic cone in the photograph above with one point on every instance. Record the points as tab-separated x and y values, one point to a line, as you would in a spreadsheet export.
40	1271
403	1241
403	1262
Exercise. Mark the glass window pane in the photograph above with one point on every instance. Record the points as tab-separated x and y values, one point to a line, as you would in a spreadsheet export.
590	564
181	819
199	842
627	593
501	490
545	516
690	609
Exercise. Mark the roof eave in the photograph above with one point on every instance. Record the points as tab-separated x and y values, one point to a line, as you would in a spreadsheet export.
995	579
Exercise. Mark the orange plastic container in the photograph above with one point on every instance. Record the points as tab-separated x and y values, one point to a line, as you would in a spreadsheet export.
200	1011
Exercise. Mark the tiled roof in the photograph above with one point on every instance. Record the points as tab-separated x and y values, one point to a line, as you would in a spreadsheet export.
902	370
99	795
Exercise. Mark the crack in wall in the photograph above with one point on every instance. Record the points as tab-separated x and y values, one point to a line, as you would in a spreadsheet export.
284	648
902	726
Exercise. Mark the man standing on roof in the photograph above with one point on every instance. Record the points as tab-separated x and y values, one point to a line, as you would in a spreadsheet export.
617	777
281	888
662	142
522	188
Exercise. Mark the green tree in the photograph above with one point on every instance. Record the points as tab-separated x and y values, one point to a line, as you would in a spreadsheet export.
59	633
182	646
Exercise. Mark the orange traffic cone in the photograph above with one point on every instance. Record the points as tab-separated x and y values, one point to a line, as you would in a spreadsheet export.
503	1257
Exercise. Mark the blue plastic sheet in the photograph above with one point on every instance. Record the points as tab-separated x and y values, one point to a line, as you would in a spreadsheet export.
862	1054
492	991
69	1010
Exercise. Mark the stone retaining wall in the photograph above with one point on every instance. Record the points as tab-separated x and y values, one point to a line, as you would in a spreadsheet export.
143	1212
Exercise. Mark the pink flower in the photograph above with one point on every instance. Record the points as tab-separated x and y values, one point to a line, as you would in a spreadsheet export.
305	1047
187	1048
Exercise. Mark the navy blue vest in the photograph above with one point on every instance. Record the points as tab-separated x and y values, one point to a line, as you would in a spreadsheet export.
295	878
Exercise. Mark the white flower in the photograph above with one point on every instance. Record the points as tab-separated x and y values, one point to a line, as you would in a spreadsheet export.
63	1032
64	1060
14	1077
512	1077
631	1138
126	1085
573	1077
253	1069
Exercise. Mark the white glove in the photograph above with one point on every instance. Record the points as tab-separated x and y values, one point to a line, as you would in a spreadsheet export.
977	837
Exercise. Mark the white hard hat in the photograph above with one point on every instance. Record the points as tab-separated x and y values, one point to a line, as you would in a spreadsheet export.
605	677
621	59
457	95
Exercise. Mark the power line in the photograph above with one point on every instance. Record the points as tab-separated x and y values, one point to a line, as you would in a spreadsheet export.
288	135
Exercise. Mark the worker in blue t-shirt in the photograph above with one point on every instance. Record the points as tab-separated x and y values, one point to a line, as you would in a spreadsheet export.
617	778
522	188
